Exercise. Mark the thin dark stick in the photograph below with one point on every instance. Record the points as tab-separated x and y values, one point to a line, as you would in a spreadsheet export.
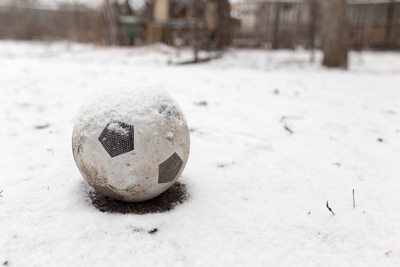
354	201
327	205
288	129
1	192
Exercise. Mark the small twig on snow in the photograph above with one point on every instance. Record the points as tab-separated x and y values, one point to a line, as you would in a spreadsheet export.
1	192
327	205
287	129
41	127
354	201
387	253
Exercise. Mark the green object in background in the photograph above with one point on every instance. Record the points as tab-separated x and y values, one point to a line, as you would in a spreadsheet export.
130	25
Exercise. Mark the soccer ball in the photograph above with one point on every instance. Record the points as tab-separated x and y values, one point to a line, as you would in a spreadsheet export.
131	145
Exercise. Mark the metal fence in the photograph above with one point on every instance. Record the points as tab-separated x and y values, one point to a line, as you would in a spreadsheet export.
286	24
375	25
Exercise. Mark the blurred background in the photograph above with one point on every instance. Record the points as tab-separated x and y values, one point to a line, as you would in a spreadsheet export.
210	25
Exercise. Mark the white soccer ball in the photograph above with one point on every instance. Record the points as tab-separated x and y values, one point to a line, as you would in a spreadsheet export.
131	145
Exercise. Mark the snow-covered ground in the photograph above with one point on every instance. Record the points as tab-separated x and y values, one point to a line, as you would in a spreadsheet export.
257	191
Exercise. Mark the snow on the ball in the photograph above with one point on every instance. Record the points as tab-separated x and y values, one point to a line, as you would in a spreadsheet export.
115	127
118	104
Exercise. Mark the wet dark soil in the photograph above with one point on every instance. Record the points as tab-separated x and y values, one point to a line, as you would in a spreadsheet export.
174	196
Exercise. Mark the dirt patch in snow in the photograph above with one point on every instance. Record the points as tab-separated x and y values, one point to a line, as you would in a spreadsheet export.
175	195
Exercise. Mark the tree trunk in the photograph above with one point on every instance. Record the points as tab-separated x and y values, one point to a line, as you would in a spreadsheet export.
335	37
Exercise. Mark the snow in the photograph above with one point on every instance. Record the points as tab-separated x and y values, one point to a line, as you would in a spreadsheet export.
257	191
115	127
135	101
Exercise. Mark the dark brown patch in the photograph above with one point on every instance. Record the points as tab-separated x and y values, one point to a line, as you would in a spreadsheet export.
175	195
153	231
107	191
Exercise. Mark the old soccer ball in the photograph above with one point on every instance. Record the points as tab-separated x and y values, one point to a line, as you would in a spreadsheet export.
131	145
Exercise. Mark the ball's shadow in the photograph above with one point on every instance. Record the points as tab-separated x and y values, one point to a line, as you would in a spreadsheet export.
174	196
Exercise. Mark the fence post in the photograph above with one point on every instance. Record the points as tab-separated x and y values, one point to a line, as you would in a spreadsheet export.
363	11
275	44
389	19
196	40
111	28
313	18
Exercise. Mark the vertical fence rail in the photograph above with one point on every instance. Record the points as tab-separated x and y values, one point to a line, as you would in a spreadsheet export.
389	23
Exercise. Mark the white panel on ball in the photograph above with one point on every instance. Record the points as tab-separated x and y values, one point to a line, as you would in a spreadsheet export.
131	144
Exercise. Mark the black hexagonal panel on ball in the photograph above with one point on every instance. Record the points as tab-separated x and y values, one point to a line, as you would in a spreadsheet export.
169	169
117	138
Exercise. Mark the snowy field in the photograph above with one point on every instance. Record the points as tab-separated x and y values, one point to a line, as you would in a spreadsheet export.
257	191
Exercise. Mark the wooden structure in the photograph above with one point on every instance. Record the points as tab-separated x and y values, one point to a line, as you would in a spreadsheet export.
67	22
